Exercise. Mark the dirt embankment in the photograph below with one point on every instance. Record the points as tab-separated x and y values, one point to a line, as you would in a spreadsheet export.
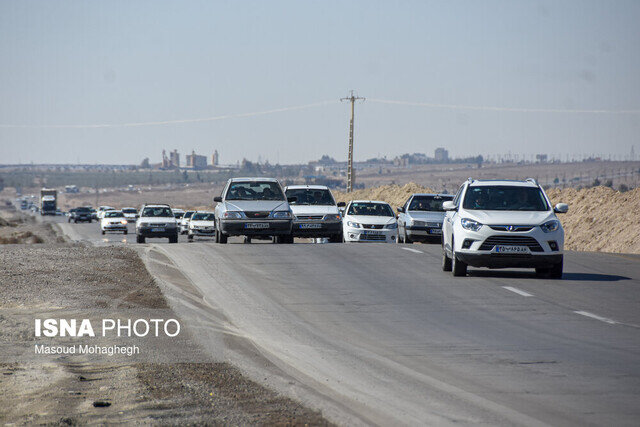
19	229
599	218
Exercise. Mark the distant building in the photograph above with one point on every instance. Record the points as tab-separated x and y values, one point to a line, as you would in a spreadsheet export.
195	161
215	158
542	158
441	155
174	158
171	162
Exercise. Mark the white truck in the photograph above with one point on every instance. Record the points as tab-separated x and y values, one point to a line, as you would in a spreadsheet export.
48	201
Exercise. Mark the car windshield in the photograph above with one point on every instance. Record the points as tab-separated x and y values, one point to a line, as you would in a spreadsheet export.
113	215
308	196
255	190
428	203
129	211
505	198
82	210
178	214
159	211
370	209
202	217
187	214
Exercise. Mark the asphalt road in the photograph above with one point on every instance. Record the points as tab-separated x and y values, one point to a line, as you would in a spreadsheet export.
378	334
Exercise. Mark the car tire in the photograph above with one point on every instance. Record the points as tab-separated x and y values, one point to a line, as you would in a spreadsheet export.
405	238
446	261
247	239
458	267
125	232
336	238
103	232
140	239
190	237
221	237
556	271
174	238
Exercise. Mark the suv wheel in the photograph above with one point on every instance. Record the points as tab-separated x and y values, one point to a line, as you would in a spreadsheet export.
140	239
405	238
336	238
174	238
221	237
446	261
458	267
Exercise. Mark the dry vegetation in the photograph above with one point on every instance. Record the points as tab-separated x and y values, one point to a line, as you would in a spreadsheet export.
599	218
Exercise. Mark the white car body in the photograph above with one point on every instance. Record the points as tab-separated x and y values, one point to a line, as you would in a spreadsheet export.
315	218
156	220
421	217
131	214
110	222
506	236
201	227
102	210
178	213
184	222
369	228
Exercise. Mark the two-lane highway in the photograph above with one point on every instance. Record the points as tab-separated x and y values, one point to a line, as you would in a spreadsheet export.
378	333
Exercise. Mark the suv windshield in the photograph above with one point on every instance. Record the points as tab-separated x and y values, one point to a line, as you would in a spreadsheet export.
82	210
505	198
113	215
202	217
308	196
254	190
370	209
129	210
428	203
160	211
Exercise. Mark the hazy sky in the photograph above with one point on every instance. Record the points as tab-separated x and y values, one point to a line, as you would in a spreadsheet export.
116	62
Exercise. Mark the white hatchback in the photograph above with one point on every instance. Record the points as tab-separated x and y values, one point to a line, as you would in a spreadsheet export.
369	221
502	224
202	224
113	221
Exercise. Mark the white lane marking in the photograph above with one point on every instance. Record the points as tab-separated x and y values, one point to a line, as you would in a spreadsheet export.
595	316
518	291
413	250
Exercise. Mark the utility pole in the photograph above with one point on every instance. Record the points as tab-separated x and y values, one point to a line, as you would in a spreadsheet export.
350	176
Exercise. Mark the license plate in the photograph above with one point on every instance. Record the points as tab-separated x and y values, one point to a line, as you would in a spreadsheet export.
157	230
502	249
372	233
435	231
310	225
256	225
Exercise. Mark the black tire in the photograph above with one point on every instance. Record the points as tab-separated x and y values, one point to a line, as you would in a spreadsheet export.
190	237
140	239
405	238
458	267
75	221
222	238
446	261
125	232
556	271
336	238
174	238
103	232
247	239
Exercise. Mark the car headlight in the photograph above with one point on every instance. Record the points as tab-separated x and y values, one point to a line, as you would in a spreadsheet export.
332	217
281	214
469	224
232	215
353	224
392	226
550	226
124	221
144	224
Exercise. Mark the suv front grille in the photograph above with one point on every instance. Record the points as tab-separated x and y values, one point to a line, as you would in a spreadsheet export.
309	217
530	242
511	227
257	214
373	226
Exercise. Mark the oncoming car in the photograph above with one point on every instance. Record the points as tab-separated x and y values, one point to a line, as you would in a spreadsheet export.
113	221
315	212
503	224
369	221
156	221
202	224
183	221
420	219
253	207
130	214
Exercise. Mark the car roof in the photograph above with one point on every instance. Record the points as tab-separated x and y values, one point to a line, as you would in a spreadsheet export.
205	212
245	179
155	205
506	182
432	194
369	201
308	187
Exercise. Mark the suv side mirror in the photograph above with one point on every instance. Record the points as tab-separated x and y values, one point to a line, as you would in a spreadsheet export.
400	209
561	208
292	199
341	204
449	206
217	199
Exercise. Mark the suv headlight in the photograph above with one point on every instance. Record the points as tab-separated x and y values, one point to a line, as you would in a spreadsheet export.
391	226
550	226
332	217
232	215
469	224
353	224
281	214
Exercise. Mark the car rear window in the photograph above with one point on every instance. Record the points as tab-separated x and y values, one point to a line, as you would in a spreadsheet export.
505	198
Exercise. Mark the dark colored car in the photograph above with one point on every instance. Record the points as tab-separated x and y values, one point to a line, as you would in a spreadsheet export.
81	214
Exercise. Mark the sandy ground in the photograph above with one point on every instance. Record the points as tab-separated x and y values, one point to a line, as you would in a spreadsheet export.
599	218
62	278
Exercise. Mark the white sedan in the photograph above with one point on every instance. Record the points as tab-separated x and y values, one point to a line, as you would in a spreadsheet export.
202	224
113	221
369	221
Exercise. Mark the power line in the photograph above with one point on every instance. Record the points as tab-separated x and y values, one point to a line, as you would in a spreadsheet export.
169	122
508	109
350	176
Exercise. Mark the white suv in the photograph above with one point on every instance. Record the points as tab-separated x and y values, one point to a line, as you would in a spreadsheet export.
502	224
